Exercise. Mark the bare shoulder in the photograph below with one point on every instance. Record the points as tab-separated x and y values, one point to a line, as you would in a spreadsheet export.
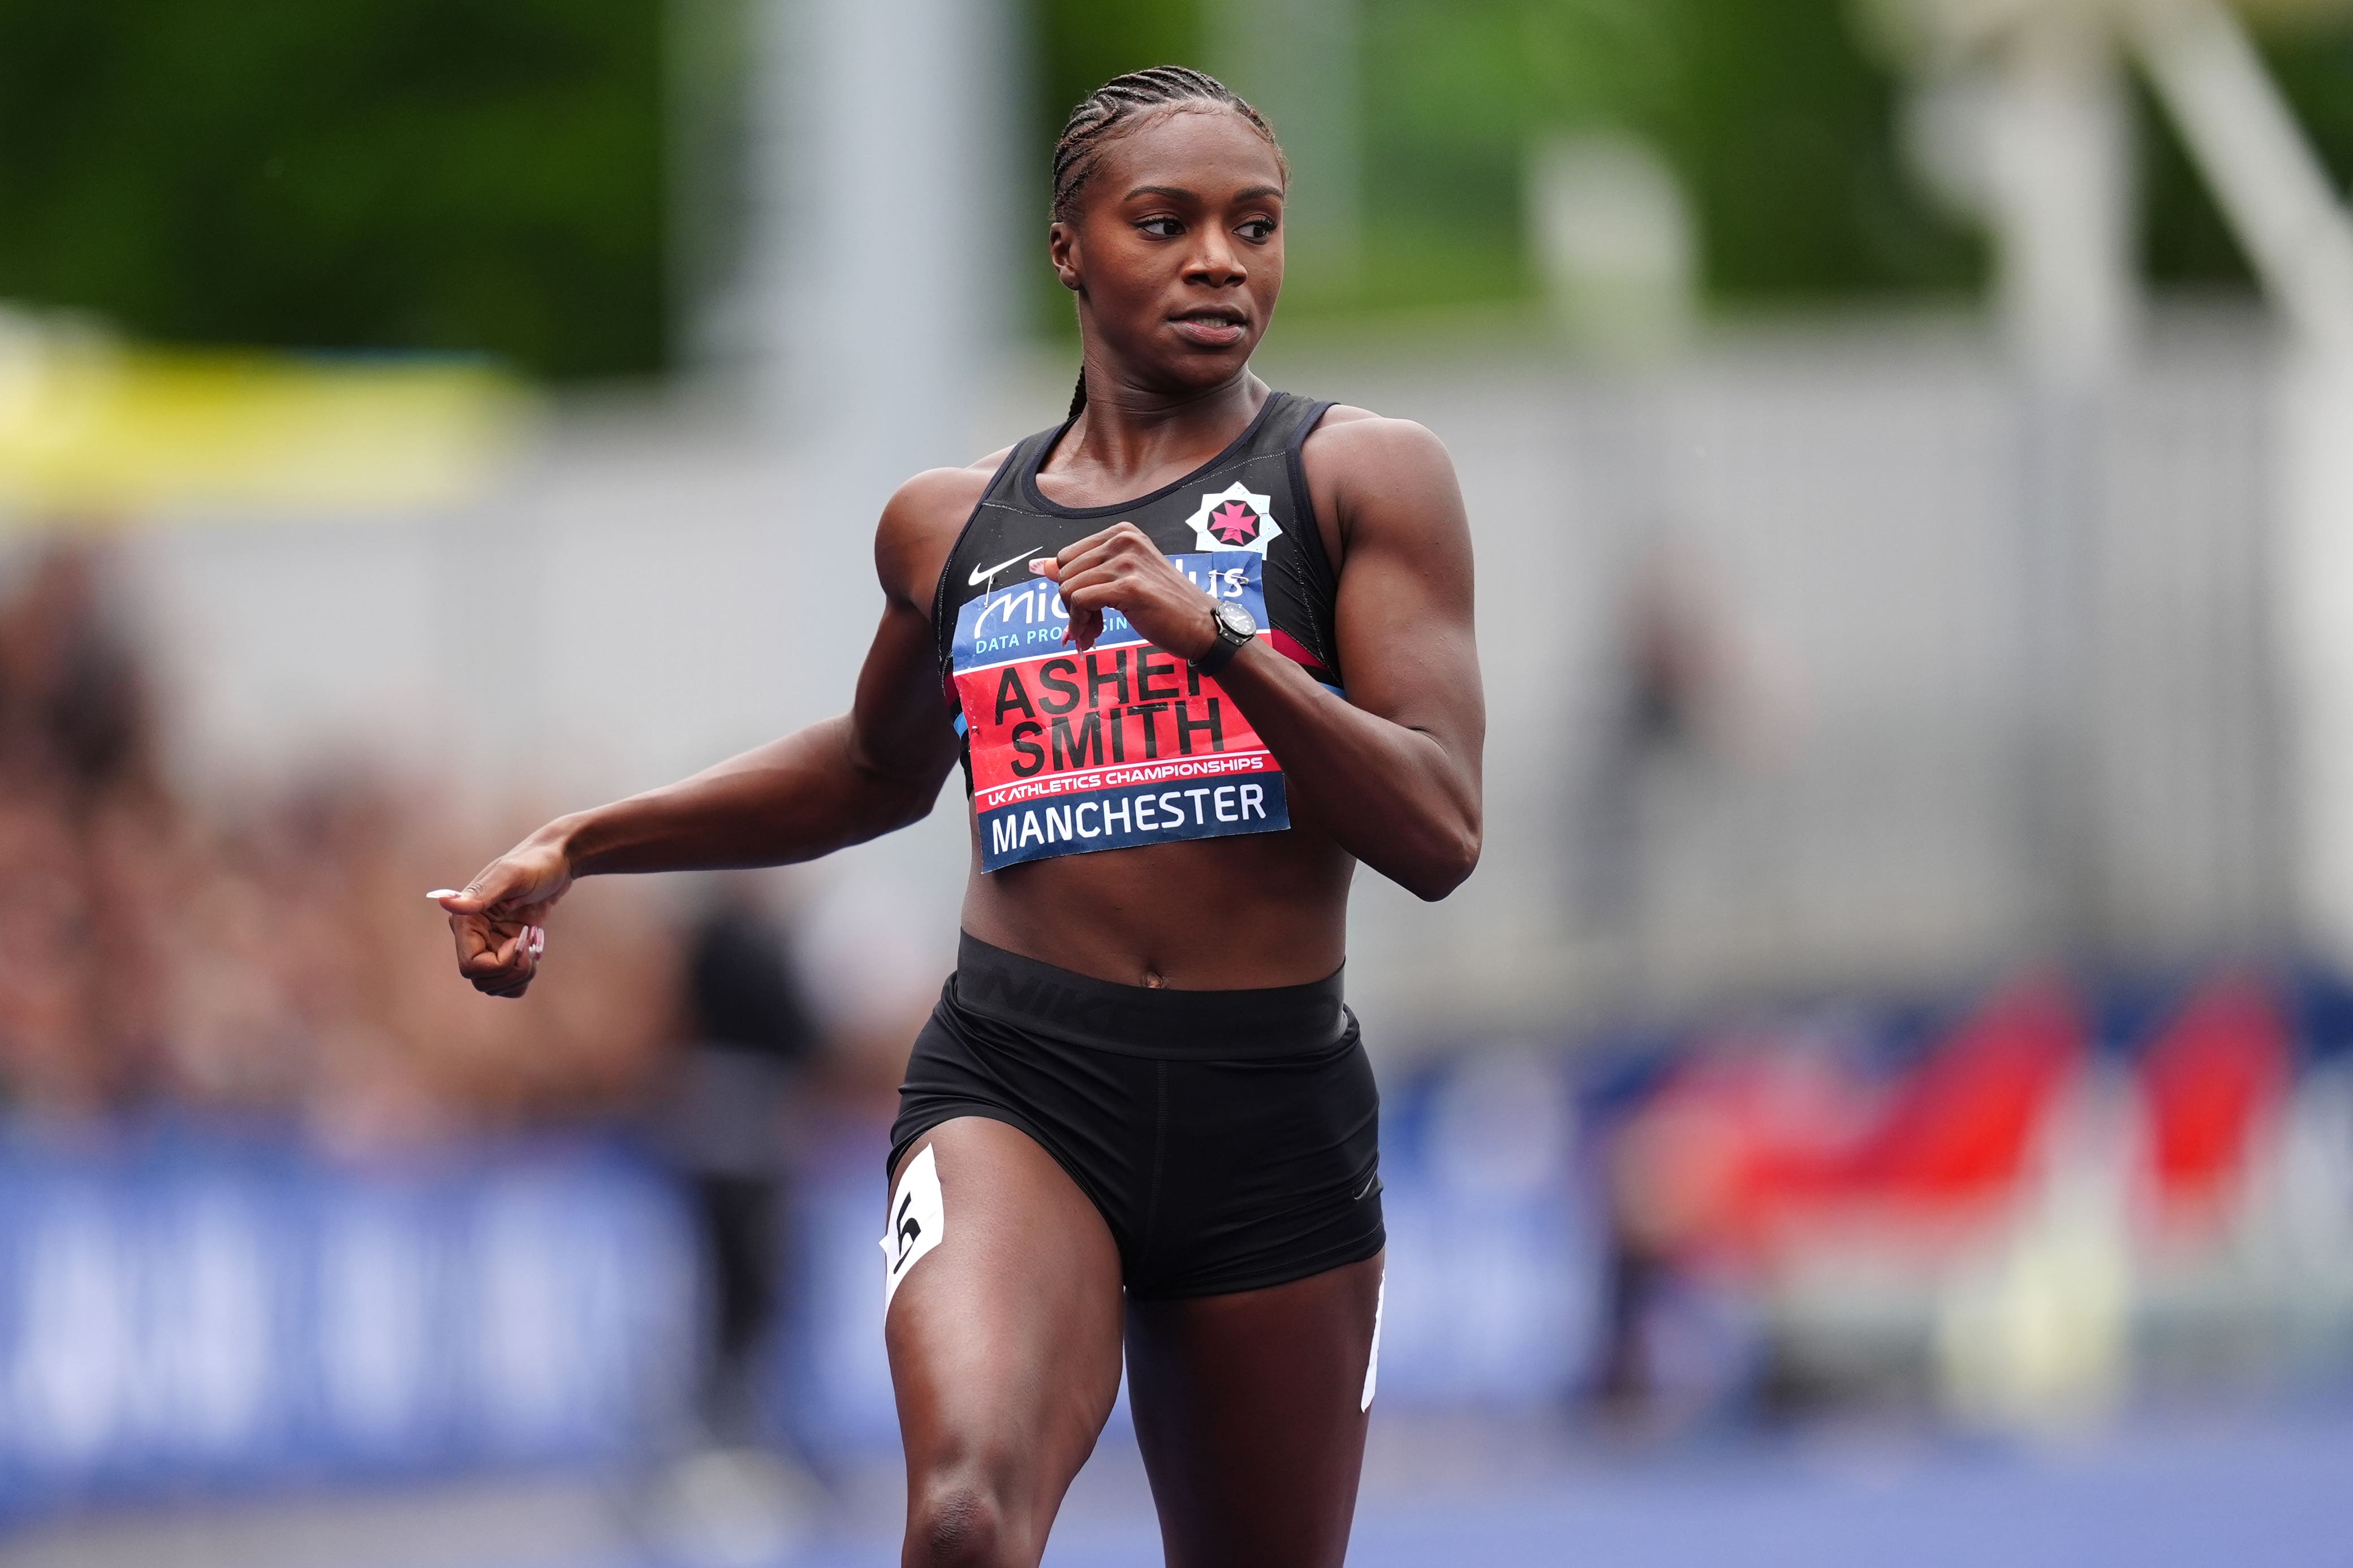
1378	477
920	523
1349	437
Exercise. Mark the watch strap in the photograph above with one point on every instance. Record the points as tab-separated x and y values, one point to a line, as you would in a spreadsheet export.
1222	654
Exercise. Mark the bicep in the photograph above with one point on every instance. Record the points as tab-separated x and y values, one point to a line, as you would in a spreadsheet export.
1408	648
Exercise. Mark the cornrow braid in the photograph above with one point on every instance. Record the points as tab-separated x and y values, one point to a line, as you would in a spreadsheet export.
1116	104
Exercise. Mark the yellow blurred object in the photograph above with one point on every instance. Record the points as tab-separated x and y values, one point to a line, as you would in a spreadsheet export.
89	426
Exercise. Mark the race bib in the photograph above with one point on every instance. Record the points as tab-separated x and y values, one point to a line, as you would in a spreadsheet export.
1118	746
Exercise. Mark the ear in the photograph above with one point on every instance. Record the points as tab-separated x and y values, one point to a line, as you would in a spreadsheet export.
1062	250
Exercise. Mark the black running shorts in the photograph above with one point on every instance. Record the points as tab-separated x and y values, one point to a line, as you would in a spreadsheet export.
1230	1139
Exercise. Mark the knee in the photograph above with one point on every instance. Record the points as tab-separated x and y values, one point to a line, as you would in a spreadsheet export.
961	1519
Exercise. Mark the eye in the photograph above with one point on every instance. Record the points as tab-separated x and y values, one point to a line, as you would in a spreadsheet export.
1161	228
1258	230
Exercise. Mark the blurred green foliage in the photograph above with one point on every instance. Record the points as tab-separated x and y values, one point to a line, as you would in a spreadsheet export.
464	175
1781	127
488	174
1082	44
1781	120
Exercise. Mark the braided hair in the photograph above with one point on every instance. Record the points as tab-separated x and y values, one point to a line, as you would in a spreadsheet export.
1116	105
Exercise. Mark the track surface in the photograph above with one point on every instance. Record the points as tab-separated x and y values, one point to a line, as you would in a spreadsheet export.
2277	1493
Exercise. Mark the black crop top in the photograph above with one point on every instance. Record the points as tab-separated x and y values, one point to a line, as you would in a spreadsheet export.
1124	745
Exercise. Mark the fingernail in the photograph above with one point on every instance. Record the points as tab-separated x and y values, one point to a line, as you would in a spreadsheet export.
1038	567
440	893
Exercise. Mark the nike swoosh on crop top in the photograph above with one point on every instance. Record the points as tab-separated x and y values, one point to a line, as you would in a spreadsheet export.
1067	752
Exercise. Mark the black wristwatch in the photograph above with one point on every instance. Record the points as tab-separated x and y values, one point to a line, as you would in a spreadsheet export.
1235	628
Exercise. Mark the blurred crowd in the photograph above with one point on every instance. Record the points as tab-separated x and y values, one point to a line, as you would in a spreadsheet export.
265	951
2067	1192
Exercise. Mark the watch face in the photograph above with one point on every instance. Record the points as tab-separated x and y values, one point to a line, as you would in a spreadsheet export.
1235	622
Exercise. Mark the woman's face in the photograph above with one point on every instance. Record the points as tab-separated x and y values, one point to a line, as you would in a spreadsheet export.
1177	250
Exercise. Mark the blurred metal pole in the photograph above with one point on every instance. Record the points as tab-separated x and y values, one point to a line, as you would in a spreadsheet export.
879	302
2022	117
1299	63
2297	233
2061	191
2061	195
2313	588
2255	158
884	196
706	80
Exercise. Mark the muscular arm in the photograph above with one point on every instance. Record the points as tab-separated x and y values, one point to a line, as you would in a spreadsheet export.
837	783
1392	772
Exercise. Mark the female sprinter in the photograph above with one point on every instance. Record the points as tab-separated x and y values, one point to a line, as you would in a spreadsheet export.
1200	650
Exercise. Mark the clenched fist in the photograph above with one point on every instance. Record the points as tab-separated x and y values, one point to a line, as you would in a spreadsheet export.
500	918
1121	569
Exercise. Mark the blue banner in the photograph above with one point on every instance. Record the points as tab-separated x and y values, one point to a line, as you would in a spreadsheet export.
191	1310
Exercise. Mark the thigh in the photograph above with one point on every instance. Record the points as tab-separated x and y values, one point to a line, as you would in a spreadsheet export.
1250	1409
1005	1346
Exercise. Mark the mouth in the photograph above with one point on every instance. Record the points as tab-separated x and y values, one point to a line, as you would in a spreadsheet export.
1212	326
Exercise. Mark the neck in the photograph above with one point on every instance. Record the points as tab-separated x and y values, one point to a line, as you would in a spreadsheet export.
1128	427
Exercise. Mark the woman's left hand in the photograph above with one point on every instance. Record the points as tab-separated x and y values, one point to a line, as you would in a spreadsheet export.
1121	569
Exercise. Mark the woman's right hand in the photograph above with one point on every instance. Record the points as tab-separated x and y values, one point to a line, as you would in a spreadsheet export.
500	918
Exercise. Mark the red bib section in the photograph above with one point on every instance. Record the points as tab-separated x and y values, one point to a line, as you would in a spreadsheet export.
1119	746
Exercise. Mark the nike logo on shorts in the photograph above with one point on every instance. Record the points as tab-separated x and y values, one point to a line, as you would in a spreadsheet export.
980	576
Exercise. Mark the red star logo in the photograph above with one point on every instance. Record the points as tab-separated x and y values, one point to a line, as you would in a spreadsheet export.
1234	522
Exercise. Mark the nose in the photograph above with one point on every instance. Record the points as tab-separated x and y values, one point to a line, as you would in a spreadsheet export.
1215	261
